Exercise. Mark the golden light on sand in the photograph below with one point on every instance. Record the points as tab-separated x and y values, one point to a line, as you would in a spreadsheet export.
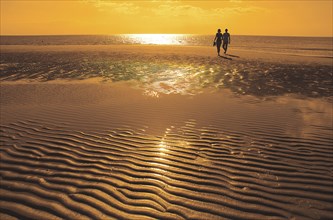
162	147
151	93
89	131
159	39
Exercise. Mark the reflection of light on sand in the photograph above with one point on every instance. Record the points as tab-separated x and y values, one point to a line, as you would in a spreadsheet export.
162	150
151	93
162	153
177	81
314	114
162	146
161	39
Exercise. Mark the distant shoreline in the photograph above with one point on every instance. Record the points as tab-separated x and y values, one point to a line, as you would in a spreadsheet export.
242	35
317	46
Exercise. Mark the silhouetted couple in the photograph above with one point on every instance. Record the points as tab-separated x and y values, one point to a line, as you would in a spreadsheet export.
219	38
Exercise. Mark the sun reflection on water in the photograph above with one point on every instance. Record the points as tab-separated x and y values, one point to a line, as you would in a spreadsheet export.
159	39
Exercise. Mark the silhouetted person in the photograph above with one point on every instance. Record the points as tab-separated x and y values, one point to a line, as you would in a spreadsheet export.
218	41
226	40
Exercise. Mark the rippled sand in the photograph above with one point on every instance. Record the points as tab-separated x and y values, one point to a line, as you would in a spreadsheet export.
173	136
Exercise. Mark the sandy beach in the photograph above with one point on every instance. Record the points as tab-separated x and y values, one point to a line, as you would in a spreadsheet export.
164	132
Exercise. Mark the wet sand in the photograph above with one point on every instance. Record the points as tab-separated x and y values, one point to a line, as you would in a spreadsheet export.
154	132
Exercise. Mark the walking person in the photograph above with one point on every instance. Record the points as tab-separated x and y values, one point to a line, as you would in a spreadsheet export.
218	41
226	40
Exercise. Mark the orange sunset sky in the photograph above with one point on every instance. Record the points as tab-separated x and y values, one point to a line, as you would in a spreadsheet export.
280	18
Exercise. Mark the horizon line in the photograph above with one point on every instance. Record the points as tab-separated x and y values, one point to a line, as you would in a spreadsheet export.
259	35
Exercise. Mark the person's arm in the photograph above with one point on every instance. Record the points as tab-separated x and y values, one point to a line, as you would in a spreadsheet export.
215	37
229	39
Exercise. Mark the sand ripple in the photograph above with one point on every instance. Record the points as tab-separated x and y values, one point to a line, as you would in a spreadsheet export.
84	150
187	173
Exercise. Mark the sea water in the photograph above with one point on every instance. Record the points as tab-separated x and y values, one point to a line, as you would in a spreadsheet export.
304	46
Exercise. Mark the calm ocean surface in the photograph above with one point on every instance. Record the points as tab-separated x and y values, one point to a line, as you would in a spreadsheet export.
305	46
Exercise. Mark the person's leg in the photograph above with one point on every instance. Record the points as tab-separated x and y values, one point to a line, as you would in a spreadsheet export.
218	45
226	48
